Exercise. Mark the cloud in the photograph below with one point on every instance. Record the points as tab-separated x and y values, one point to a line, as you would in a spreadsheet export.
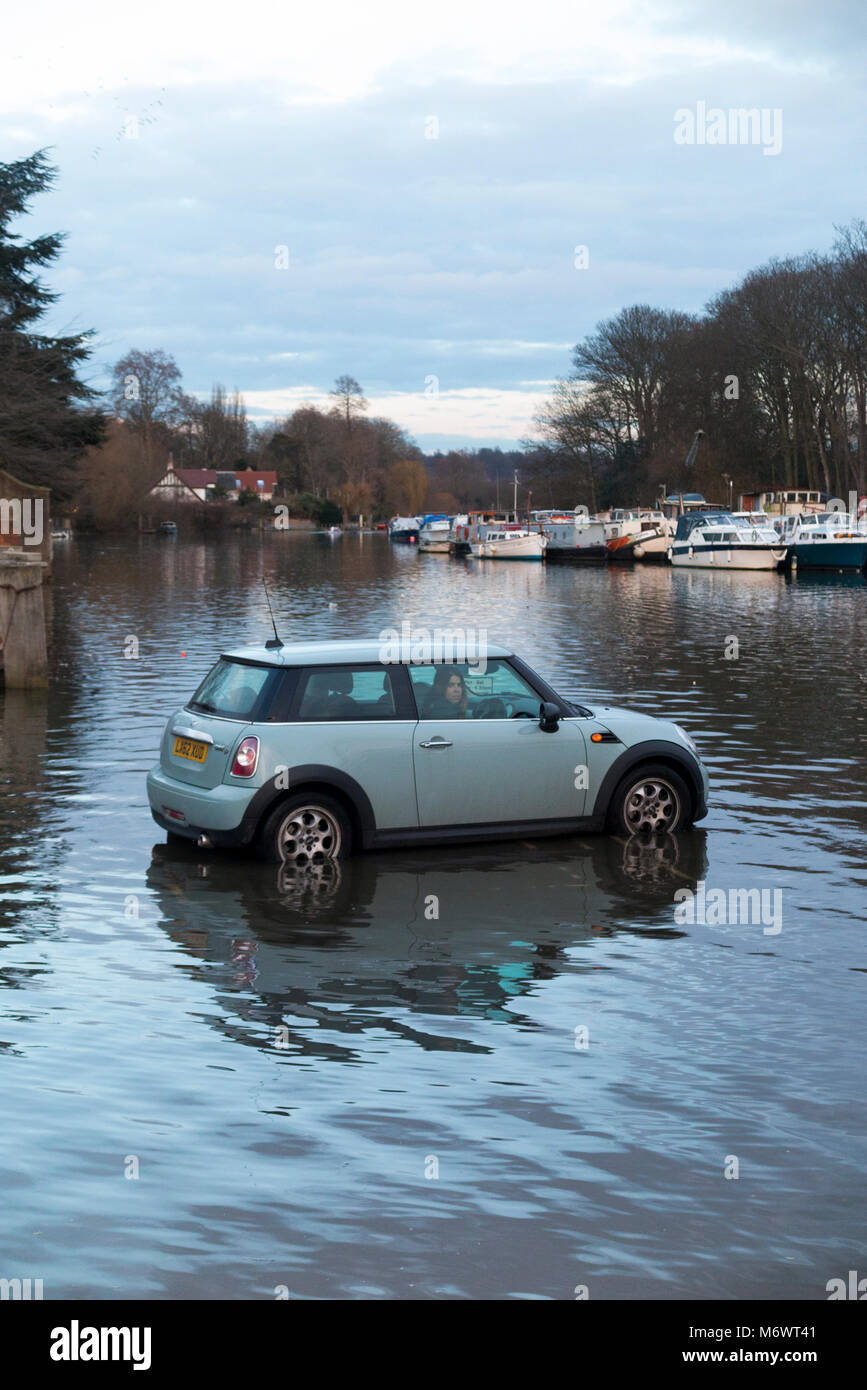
501	415
411	256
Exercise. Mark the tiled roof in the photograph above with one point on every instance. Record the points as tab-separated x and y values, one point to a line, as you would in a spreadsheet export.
247	478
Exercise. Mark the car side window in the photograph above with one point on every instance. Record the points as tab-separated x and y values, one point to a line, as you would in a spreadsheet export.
326	693
462	690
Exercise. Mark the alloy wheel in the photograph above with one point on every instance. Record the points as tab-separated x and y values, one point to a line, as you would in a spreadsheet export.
309	835
651	804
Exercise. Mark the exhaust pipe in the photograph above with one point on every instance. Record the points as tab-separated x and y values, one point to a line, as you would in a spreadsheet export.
203	842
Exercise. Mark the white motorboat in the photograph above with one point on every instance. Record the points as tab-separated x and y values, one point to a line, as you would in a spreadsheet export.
824	540
638	533
715	540
434	535
509	543
572	535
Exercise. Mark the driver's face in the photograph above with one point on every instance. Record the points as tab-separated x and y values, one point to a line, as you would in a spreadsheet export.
455	690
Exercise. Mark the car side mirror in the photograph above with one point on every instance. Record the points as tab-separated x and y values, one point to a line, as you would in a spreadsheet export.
549	717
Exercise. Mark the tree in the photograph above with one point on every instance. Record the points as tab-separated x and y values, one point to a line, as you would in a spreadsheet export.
114	479
146	392
406	487
47	418
350	401
629	357
220	431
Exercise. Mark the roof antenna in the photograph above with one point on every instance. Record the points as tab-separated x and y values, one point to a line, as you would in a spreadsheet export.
275	640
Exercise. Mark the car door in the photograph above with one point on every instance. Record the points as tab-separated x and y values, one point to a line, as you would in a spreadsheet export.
354	718
489	770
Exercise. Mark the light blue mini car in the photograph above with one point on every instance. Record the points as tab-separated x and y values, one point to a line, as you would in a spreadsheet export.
312	751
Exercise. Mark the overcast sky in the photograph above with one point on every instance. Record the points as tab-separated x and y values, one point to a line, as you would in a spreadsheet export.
430	170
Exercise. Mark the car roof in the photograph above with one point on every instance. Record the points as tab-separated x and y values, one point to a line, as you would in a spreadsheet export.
343	652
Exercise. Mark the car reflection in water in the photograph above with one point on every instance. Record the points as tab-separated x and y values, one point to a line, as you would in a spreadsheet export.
376	938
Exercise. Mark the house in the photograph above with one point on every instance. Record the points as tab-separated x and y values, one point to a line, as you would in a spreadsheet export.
173	486
200	484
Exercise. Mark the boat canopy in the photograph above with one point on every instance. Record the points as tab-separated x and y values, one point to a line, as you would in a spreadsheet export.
691	522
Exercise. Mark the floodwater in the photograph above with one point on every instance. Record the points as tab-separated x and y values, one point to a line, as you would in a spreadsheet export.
217	1081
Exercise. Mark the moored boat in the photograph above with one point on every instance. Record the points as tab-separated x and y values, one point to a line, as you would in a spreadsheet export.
715	540
404	530
824	540
639	533
433	536
509	543
572	536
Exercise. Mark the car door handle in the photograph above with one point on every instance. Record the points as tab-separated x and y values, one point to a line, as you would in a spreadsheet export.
436	743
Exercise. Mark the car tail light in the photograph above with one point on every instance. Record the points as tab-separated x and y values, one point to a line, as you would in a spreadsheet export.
246	758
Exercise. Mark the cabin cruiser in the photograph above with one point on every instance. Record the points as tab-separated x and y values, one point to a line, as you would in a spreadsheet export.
824	540
715	540
572	535
638	534
404	529
434	533
505	542
473	526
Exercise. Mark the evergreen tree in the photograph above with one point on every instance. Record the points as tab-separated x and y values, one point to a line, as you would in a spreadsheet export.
47	419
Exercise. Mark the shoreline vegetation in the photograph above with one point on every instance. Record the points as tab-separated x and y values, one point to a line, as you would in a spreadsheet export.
773	374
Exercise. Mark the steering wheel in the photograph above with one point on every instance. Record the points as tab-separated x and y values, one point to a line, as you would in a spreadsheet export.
521	714
492	708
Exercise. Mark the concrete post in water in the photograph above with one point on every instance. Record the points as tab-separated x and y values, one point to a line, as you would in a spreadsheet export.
23	651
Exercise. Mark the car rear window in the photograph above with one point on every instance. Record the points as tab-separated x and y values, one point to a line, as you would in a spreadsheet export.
234	689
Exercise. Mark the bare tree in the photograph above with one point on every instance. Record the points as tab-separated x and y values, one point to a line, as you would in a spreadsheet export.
146	392
350	401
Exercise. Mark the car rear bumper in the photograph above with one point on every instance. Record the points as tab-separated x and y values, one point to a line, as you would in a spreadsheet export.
218	812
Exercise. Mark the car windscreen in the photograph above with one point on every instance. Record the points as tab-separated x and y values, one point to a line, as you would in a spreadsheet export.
234	689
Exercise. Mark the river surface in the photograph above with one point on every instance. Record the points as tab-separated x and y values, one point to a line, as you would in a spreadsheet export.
217	1081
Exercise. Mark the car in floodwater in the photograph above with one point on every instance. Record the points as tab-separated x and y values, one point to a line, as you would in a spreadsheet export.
314	750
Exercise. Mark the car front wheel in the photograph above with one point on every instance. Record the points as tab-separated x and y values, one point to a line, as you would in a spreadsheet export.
304	831
650	798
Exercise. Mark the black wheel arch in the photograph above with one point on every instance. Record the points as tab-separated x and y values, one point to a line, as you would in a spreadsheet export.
309	777
652	751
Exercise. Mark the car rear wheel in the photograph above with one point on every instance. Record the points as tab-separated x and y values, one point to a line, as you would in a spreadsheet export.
306	830
650	798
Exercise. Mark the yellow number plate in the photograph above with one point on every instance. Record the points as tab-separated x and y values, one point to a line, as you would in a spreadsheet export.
187	748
